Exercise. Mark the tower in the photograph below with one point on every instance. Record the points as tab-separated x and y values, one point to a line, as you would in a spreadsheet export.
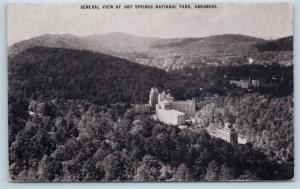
153	97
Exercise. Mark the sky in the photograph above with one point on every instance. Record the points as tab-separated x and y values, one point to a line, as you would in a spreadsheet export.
268	21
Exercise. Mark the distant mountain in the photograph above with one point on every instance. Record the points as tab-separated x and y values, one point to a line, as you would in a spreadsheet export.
107	43
58	73
120	42
157	52
282	44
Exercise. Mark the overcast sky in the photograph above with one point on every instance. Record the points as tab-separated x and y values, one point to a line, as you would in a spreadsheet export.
267	21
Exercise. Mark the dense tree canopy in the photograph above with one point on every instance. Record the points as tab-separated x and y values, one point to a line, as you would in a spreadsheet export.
83	142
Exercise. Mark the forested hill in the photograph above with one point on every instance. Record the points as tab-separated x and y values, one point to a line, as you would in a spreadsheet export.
50	73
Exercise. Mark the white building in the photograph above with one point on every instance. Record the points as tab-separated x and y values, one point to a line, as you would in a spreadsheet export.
172	117
173	112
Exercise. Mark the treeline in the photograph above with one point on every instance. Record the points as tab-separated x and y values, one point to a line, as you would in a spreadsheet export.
79	141
265	121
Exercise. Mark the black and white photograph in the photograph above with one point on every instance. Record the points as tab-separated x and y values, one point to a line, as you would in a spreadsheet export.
150	92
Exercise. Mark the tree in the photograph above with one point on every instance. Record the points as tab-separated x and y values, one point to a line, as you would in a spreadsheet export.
226	173
247	175
149	169
112	167
166	173
49	169
201	163
213	171
183	173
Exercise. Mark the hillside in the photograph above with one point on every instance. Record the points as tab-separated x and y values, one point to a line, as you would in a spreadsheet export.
77	74
282	44
157	52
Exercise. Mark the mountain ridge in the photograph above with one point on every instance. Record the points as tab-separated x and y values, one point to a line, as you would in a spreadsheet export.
162	53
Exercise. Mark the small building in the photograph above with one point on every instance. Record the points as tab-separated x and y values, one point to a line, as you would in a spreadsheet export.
242	140
228	134
141	108
245	84
182	127
255	83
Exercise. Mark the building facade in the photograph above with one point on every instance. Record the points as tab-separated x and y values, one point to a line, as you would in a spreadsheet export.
224	133
171	117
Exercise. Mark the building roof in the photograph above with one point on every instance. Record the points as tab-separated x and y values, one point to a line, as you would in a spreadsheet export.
174	112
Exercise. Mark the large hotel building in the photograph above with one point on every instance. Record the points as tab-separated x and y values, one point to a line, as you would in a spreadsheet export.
170	111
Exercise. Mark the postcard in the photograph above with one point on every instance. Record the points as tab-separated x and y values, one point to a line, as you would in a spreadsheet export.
150	92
